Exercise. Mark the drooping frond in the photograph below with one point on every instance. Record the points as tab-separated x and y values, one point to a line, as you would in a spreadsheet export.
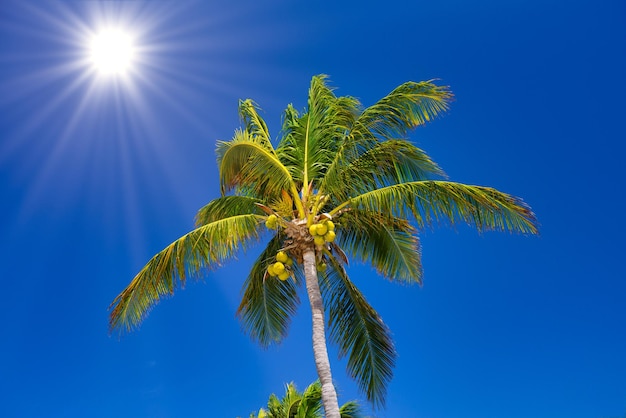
431	202
388	162
227	206
245	162
390	244
268	304
360	333
203	248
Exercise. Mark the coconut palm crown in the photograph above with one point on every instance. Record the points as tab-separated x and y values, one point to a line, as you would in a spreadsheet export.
341	181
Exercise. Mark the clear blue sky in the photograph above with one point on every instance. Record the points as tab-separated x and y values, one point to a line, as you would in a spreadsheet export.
96	176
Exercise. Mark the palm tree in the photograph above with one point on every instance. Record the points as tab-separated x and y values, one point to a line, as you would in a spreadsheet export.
307	404
341	181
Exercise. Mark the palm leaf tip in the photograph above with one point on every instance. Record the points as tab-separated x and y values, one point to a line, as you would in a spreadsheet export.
202	249
432	202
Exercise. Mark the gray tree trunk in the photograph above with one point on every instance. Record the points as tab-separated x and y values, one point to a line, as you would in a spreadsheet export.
329	395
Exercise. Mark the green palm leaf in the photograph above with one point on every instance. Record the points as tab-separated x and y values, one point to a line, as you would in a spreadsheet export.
227	206
389	244
205	247
246	162
360	333
268	304
253	123
388	162
310	141
409	105
350	409
435	201
406	107
311	403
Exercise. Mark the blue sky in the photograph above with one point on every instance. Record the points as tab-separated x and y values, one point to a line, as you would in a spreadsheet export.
97	175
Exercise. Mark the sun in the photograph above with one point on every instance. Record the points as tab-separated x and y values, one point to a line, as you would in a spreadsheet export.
112	51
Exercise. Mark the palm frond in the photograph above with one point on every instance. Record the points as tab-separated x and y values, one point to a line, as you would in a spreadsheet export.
432	202
388	162
407	106
311	402
291	400
311	140
205	247
360	333
268	304
227	206
253	123
350	409
245	162
390	244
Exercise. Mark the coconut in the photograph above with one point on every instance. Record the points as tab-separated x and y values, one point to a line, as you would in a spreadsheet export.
270	270
271	222
321	229
289	262
319	241
330	225
282	256
321	267
284	275
313	229
330	236
278	267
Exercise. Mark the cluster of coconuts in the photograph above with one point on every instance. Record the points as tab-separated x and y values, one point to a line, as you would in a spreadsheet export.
280	268
271	222
322	232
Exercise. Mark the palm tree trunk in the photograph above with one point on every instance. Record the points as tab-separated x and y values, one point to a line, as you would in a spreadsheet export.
322	363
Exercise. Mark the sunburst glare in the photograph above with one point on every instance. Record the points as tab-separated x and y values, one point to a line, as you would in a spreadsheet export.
106	95
112	51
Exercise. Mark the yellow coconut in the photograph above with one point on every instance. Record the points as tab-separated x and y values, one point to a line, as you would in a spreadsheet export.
321	267
284	275
330	236
313	229
289	262
330	225
278	267
270	270
321	229
319	241
271	222
282	256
